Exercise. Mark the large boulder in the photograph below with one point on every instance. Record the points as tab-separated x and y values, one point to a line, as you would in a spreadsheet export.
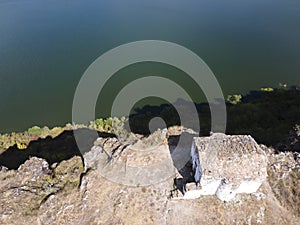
145	162
230	165
23	191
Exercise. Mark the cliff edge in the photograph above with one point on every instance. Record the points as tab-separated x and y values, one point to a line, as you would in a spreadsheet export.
138	183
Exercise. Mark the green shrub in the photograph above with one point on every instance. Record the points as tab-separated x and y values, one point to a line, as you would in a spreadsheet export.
35	130
234	99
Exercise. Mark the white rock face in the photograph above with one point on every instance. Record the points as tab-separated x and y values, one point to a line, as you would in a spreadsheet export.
225	191
248	187
209	186
230	165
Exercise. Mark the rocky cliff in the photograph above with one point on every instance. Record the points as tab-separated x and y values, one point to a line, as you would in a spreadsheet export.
142	183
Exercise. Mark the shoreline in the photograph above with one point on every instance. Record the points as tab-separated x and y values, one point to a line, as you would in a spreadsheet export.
285	99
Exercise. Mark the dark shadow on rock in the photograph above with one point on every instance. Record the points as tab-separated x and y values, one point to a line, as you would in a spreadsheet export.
180	184
182	159
54	150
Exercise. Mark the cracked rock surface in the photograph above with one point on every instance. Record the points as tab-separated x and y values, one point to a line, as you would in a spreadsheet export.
73	192
23	191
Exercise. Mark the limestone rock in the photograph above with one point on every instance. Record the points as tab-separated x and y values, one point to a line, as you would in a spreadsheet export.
39	194
24	190
230	165
145	162
284	179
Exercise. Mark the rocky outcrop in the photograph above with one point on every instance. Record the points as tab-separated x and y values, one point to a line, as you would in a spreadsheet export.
231	165
284	179
69	192
145	162
23	191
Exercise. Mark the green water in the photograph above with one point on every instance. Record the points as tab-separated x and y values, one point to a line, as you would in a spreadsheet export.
45	47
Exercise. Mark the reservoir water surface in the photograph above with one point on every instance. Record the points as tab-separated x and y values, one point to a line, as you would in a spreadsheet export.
45	47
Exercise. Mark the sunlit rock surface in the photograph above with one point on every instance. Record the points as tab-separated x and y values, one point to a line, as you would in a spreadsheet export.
24	191
70	193
230	165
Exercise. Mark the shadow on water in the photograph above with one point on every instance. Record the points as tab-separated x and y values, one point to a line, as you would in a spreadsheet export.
268	116
53	150
140	118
